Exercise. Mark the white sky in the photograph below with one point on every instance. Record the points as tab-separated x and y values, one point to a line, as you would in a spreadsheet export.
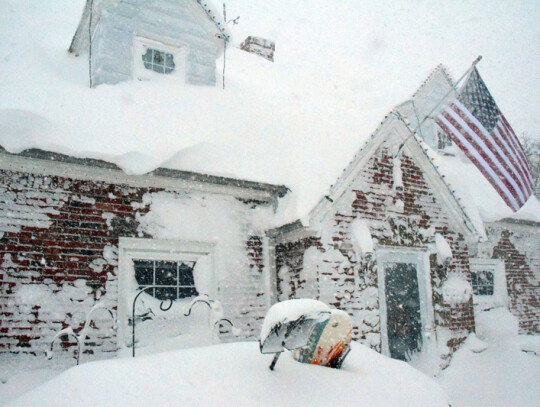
340	66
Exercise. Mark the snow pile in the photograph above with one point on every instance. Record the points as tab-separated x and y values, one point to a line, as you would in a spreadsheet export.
501	375
481	202
496	324
290	310
221	220
237	375
456	289
362	237
530	344
65	303
191	217
474	344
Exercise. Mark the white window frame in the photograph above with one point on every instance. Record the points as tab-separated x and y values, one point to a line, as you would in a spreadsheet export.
419	257
154	249
500	291
178	51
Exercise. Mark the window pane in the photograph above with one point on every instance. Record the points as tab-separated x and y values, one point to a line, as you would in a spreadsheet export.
474	276
169	61
166	273
147	57
483	282
144	272
186	279
158	57
165	293
158	61
169	274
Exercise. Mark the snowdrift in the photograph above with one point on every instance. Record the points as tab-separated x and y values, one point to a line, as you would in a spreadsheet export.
237	375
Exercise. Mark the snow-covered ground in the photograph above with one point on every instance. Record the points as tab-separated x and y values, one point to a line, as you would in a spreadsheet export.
238	375
500	369
504	374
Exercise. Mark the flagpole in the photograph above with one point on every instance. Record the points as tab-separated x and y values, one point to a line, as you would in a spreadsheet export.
453	88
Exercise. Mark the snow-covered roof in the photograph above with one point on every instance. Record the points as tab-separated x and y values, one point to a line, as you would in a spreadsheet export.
205	11
298	121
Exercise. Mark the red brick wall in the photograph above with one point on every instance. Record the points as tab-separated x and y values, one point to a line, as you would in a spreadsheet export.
522	284
60	236
290	257
55	231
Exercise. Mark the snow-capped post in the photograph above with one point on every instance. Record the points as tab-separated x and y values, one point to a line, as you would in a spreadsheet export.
224	44
90	42
225	39
444	251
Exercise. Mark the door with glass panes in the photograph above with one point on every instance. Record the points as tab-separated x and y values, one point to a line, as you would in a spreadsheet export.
406	313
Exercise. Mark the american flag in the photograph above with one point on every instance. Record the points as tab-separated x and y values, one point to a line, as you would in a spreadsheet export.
477	126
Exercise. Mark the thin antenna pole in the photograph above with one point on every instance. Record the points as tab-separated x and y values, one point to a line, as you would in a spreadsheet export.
453	88
90	42
224	44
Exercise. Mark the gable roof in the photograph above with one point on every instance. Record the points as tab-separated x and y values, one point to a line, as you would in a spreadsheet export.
395	125
94	9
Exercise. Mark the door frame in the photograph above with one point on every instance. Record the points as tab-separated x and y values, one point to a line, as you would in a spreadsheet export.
419	257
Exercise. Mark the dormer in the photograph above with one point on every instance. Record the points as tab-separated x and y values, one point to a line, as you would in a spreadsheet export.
150	40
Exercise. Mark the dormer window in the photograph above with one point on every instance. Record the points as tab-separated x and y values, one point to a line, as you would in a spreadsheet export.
154	59
158	61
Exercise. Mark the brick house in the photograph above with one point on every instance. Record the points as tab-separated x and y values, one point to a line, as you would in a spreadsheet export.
394	245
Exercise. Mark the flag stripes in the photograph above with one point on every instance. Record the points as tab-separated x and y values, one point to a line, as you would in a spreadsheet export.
488	144
500	137
478	160
517	145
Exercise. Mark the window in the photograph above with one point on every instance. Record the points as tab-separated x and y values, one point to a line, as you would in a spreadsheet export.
489	283
155	60
483	282
158	61
443	140
176	277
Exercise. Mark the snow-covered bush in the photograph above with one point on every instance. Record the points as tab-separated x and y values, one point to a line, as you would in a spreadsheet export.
456	289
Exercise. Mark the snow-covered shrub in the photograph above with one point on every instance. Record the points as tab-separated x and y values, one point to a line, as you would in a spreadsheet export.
456	289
